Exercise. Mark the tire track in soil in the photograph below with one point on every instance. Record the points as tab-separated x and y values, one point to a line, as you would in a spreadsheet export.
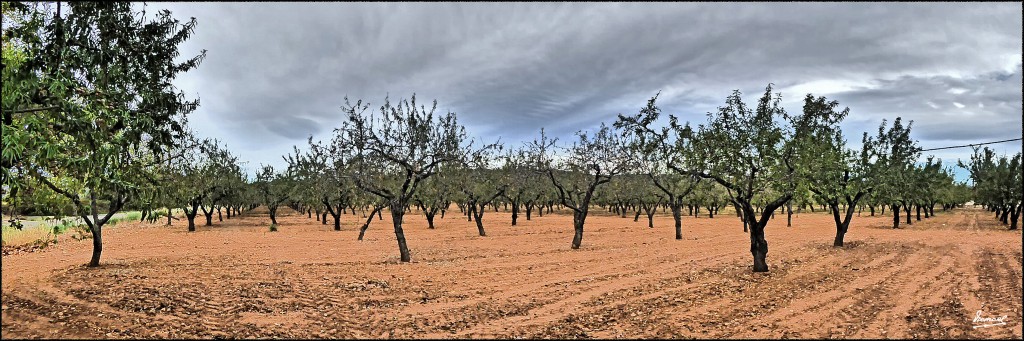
889	321
27	309
522	288
999	293
861	315
834	280
665	294
659	297
327	307
805	304
550	310
798	274
637	266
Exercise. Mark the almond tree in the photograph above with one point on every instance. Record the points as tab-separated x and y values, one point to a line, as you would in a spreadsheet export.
435	196
273	189
753	155
591	161
94	103
396	150
998	183
896	155
524	188
480	183
663	155
834	173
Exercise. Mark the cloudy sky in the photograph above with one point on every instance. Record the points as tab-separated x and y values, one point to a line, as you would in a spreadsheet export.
277	73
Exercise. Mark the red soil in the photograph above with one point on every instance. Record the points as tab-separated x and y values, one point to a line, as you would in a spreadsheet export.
236	279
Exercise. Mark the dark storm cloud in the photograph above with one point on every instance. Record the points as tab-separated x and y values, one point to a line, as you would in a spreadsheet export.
278	72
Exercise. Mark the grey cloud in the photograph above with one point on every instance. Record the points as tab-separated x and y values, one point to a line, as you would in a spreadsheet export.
509	69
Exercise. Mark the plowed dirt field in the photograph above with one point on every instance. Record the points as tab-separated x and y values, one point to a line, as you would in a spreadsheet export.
235	279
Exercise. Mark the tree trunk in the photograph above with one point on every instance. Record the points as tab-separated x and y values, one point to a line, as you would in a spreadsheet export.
515	211
430	219
577	223
97	245
906	209
363	229
168	216
758	247
918	212
207	214
677	215
397	211
895	215
191	220
637	216
789	213
1015	216
220	217
840	226
650	215
529	209
479	217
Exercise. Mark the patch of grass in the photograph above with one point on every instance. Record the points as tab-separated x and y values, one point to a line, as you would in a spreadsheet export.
273	227
37	230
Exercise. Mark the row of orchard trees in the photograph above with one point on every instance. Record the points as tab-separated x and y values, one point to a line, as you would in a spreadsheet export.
755	159
998	184
89	114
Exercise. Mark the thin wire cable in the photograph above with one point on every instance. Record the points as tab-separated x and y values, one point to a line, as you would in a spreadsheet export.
971	145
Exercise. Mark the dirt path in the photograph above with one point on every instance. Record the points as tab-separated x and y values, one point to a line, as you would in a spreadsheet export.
235	279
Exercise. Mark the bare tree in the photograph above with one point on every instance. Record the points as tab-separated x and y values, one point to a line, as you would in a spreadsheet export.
591	161
396	150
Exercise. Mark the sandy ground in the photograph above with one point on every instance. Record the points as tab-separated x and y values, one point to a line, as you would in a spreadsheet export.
236	279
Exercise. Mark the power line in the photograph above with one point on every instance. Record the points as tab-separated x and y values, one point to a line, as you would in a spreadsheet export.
971	145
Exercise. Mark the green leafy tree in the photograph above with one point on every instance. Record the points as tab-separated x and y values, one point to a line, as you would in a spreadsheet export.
273	189
663	155
897	153
835	174
754	156
998	183
95	104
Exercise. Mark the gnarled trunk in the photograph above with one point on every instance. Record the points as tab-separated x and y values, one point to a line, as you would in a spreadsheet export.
677	216
97	245
758	247
895	215
578	218
478	215
397	213
366	225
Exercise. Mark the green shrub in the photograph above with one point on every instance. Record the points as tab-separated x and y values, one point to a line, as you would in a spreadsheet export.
273	227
